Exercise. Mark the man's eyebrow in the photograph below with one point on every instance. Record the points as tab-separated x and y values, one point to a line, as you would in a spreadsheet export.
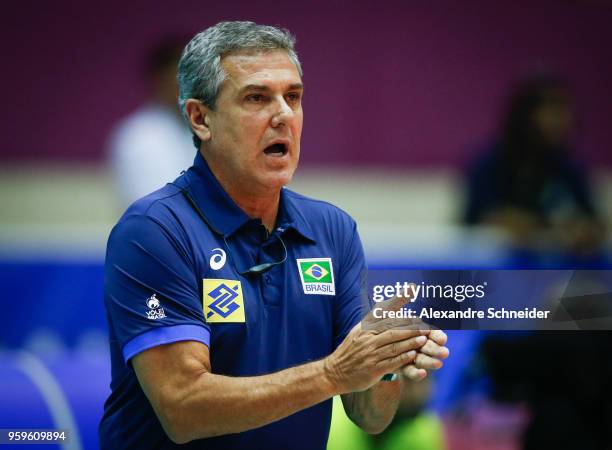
262	88
254	87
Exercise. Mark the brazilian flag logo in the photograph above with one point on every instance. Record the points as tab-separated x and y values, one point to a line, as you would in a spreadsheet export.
317	276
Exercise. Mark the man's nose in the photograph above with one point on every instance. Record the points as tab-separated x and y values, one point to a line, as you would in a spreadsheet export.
282	114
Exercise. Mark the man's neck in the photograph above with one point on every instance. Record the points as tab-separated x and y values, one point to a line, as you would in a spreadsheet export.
265	209
256	205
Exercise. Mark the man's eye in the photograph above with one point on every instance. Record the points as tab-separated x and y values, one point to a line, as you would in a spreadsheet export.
293	97
255	98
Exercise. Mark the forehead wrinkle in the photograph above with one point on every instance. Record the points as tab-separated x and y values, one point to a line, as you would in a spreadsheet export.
245	66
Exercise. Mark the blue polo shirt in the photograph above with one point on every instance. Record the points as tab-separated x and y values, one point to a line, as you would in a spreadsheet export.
184	263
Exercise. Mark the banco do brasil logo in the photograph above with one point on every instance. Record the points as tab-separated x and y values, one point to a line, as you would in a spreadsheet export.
223	300
317	276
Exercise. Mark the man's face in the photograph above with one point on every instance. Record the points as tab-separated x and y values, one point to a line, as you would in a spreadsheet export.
256	125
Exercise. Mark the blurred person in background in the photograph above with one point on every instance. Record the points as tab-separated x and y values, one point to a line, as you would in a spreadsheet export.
413	427
529	183
151	146
569	399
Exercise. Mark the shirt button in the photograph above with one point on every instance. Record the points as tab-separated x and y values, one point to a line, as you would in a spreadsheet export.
268	279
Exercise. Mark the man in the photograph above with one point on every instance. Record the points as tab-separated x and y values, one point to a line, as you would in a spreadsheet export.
234	303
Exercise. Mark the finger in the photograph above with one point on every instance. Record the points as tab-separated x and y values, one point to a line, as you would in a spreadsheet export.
432	349
405	323
395	348
439	337
427	362
390	336
382	325
397	362
414	373
389	323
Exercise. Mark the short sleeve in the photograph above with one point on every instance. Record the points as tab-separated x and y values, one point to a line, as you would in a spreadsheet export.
351	302
151	288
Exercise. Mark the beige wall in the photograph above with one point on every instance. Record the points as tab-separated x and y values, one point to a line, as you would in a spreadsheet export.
67	211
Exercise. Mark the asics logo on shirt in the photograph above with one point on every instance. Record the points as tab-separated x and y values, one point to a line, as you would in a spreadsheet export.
217	260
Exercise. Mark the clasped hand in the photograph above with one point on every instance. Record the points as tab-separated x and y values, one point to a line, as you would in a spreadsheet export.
376	347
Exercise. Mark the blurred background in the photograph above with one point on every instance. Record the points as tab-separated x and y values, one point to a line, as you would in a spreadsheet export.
457	135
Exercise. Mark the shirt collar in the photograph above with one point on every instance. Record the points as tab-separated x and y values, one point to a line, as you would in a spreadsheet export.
221	212
290	216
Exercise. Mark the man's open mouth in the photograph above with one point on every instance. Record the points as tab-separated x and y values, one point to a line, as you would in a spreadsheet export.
276	150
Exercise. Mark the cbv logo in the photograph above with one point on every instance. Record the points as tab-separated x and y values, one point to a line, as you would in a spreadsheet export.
317	276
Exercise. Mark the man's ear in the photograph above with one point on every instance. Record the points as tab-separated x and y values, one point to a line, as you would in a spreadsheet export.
199	120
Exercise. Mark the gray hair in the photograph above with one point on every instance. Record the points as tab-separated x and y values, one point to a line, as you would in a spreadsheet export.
200	73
